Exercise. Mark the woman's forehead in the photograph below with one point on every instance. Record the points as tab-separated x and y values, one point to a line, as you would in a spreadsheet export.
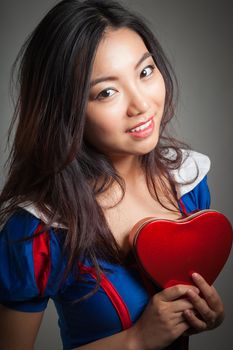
118	48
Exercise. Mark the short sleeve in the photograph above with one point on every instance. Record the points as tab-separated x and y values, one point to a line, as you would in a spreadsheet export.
198	198
191	181
29	269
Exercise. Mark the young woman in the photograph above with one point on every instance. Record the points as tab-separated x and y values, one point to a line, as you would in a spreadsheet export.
90	158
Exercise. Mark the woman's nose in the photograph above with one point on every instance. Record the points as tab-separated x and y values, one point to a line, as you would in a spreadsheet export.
138	104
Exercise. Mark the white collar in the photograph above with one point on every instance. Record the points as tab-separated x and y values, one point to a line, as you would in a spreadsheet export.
193	164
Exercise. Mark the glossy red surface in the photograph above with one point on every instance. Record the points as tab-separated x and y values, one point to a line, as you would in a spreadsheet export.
169	251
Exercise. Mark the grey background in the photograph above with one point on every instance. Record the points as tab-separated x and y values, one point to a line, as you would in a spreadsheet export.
197	37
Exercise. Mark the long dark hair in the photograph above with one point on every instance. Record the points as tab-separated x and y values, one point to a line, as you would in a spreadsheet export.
50	163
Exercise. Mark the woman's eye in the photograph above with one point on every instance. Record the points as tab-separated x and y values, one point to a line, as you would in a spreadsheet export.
105	94
147	71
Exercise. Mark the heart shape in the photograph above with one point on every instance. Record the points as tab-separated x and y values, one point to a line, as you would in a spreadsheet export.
170	251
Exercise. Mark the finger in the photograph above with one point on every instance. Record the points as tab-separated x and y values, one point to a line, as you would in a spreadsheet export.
194	321
209	292
181	328
175	292
179	317
202	307
180	325
181	305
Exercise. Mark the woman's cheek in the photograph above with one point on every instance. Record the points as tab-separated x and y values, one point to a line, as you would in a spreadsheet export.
159	90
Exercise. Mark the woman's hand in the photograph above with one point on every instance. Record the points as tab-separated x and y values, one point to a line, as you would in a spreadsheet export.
162	321
208	306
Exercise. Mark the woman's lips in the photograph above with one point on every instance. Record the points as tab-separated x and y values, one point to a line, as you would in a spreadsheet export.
142	131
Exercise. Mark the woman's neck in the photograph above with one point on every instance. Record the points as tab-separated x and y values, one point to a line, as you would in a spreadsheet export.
128	168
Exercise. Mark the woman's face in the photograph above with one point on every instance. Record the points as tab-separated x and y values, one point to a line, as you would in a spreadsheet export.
127	95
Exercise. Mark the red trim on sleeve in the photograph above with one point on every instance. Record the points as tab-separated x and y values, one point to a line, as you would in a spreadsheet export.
113	295
41	258
184	211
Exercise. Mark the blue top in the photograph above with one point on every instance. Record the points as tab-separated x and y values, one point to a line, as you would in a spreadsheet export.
30	274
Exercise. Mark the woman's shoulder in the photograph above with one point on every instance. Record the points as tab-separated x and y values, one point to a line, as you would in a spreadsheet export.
37	214
30	262
19	225
192	171
25	221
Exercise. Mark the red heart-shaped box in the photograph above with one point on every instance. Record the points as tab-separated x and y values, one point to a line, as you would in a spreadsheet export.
170	251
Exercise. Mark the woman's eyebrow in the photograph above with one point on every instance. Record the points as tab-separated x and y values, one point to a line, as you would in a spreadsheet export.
101	79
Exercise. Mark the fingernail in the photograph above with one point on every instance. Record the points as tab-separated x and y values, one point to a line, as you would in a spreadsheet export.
190	291
188	312
195	275
197	290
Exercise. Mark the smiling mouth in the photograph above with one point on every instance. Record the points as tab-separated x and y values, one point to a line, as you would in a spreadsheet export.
141	127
